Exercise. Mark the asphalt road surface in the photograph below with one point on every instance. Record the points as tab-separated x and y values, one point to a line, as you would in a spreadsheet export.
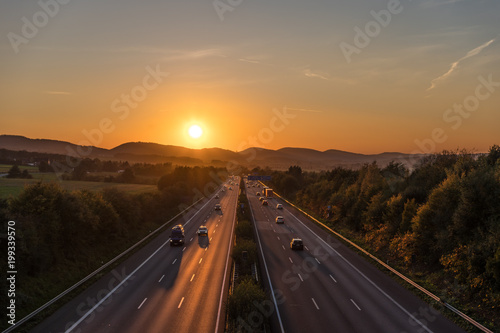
162	288
327	287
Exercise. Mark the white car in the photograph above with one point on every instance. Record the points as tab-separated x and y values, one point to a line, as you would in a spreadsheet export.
280	220
279	206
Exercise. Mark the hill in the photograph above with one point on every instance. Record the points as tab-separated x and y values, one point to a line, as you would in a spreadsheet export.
148	152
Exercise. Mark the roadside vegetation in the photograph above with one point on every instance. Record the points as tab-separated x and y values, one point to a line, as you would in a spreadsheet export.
439	223
62	235
247	297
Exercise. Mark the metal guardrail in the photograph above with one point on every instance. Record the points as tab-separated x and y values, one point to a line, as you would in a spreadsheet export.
91	275
408	280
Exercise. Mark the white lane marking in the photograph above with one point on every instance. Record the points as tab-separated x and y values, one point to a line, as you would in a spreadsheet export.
333	278
211	238
142	303
355	304
217	225
283	247
199	262
191	239
290	260
278	237
316	305
180	304
214	232
161	278
307	249
82	318
317	261
206	248
173	262
183	249
300	277
366	278
192	277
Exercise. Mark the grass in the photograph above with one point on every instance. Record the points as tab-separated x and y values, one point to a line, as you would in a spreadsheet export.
13	187
4	168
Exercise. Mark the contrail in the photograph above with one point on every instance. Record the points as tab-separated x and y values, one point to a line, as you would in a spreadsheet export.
454	65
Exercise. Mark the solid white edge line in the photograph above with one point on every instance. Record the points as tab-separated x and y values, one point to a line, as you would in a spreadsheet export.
225	270
113	290
126	278
366	278
161	278
267	272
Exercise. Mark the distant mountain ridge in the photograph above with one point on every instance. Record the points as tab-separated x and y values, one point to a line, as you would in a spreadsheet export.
148	152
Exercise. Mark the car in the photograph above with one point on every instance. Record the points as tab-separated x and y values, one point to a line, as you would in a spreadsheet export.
264	203
279	206
261	198
202	231
177	235
297	244
280	219
216	196
218	207
230	188
257	194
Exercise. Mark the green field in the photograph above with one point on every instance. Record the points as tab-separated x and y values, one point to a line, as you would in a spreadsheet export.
4	168
13	187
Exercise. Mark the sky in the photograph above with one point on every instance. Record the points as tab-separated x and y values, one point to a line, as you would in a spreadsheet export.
362	76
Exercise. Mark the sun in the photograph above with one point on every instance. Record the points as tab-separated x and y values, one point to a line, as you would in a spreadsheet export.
195	131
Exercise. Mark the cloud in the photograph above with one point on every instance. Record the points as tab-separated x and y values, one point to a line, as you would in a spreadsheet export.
58	93
455	64
194	54
430	4
317	75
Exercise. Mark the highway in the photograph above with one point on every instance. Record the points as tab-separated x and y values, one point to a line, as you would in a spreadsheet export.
162	288
328	287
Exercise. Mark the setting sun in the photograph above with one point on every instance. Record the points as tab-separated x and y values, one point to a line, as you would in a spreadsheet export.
195	131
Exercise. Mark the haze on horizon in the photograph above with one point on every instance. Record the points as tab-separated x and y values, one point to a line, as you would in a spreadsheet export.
360	76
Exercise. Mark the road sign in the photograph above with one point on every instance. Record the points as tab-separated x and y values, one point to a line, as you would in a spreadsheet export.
263	178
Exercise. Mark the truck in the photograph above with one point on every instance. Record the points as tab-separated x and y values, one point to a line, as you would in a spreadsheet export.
177	235
269	192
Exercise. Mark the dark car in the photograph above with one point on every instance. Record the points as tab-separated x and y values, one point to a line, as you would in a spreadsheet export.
264	203
296	244
177	235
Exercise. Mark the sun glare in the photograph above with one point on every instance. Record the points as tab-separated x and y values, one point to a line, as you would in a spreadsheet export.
195	131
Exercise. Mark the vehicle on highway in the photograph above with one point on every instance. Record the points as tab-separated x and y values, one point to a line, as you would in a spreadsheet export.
216	196
280	219
257	194
268	192
202	231
264	203
230	188
297	244
279	206
261	198
217	207
177	235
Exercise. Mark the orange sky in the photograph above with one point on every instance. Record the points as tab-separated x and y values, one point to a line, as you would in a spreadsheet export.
270	75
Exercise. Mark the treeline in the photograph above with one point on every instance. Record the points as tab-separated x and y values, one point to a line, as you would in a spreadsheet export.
62	236
440	221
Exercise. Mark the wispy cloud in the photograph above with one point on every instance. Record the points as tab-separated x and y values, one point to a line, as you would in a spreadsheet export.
194	54
50	92
316	74
304	110
455	64
432	3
